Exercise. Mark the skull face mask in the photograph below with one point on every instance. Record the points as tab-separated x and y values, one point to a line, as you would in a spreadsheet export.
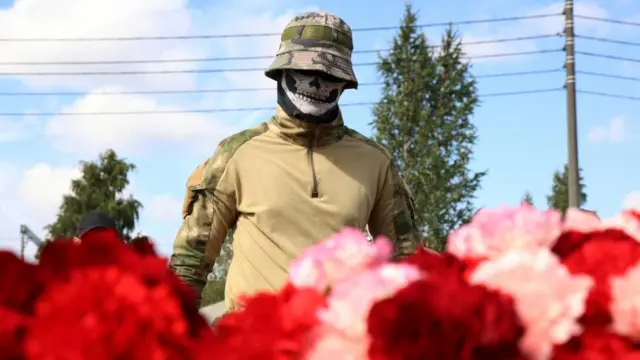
311	96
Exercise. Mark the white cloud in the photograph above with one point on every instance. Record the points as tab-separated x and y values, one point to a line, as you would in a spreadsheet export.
42	187
632	201
98	18
613	132
163	208
31	197
89	135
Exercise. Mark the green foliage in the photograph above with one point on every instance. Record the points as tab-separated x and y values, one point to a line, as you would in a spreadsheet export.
559	197
424	119
101	187
527	199
213	291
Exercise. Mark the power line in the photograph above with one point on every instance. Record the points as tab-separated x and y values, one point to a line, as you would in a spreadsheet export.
608	40
258	57
610	76
208	111
258	35
242	90
607	20
212	71
609	95
518	73
607	56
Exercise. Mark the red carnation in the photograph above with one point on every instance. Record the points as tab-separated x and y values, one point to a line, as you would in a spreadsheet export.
441	319
20	283
106	249
105	299
12	329
271	326
431	262
107	312
601	255
597	343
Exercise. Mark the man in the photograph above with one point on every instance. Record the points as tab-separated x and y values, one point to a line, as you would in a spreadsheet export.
95	221
294	180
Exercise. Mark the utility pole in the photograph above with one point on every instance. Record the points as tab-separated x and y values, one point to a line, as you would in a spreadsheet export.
23	245
572	118
26	235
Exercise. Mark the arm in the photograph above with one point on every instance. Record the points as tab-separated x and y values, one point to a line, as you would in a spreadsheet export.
209	210
393	214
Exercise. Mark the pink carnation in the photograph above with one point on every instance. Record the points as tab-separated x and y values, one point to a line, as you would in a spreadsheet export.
549	300
584	222
343	333
342	255
625	303
492	233
580	221
624	221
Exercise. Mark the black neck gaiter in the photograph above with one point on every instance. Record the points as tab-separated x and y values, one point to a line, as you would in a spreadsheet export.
291	110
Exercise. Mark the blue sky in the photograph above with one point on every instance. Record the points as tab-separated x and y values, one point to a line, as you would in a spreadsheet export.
522	139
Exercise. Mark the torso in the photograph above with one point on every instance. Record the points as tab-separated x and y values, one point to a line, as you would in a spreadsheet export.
278	217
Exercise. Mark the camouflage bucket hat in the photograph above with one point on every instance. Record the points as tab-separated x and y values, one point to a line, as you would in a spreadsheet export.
316	41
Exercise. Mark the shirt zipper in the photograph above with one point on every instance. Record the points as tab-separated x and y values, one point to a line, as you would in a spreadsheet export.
314	178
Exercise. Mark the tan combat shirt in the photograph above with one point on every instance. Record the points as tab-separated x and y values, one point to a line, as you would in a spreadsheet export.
286	185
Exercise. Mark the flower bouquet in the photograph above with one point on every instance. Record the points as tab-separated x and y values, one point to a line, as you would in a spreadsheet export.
97	300
515	283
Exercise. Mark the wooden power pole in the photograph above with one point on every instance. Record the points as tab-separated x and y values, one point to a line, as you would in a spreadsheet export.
572	118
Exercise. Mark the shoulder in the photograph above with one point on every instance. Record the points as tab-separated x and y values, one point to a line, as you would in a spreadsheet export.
232	143
208	173
366	141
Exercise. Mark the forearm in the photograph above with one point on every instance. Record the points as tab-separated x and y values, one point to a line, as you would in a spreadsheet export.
186	264
407	237
188	260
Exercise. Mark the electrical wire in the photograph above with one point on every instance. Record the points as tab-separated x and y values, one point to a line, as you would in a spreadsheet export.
242	90
208	111
606	40
232	36
610	76
609	95
607	20
258	57
212	71
607	56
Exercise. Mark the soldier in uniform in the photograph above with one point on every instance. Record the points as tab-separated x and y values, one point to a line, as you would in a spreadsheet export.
294	180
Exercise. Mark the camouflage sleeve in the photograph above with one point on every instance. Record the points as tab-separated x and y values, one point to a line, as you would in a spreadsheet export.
393	215
208	211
